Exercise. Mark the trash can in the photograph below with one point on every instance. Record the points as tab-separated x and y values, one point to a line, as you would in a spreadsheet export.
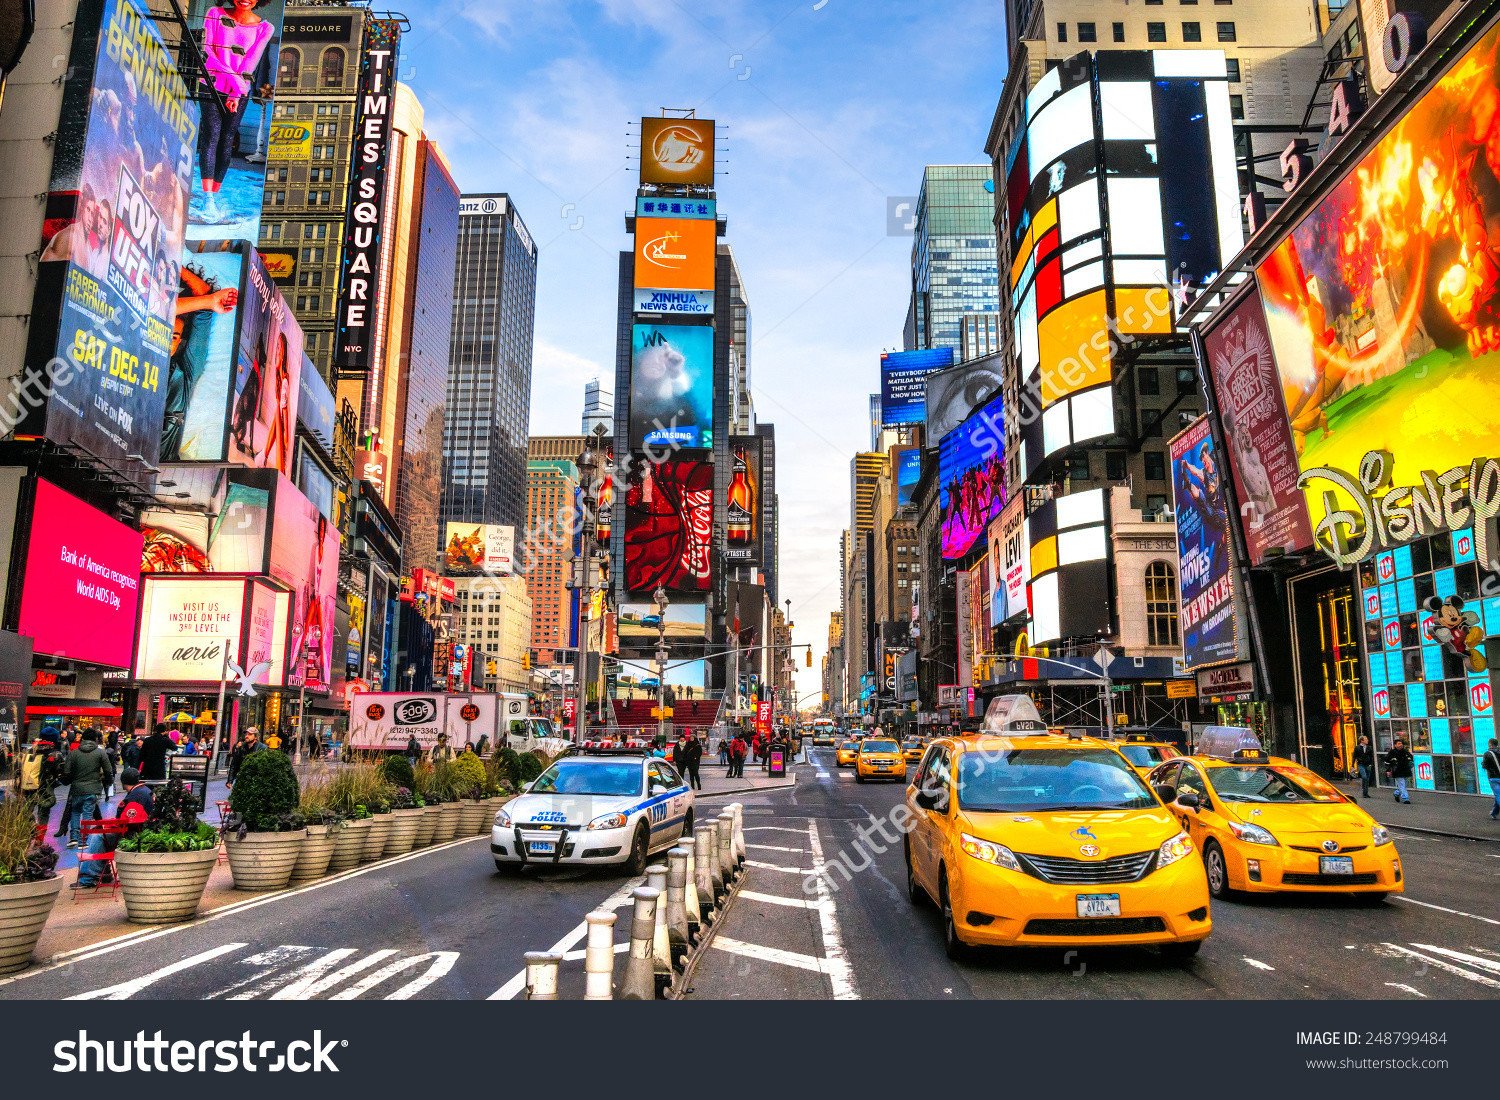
778	763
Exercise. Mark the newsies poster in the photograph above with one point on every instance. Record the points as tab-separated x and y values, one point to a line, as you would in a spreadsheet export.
1205	563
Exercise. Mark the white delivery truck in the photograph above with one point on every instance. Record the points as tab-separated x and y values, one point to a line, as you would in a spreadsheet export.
386	721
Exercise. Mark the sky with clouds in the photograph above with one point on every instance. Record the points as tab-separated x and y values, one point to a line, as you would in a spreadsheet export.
827	110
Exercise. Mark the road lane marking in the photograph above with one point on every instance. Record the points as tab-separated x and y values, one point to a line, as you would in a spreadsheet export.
274	966
836	961
1443	909
1477	962
767	954
773	848
125	990
777	899
439	963
1444	965
314	978
617	900
1259	965
1407	989
776	867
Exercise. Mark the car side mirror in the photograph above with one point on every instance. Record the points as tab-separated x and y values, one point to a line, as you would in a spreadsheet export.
1167	794
935	800
1189	800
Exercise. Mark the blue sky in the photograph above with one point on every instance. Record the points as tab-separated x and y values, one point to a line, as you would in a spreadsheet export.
826	111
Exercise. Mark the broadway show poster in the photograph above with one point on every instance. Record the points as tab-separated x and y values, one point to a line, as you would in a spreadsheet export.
669	527
112	239
1206	568
672	387
263	414
1261	456
239	43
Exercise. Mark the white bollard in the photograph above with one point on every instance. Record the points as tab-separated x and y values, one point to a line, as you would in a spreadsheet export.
710	880
541	975
738	809
661	941
640	969
725	839
694	910
677	918
599	957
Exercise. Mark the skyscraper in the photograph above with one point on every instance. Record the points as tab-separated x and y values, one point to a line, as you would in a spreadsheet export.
953	266
489	375
598	406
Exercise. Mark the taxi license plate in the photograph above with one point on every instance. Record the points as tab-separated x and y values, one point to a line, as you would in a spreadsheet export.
541	847
1336	865
1098	905
882	767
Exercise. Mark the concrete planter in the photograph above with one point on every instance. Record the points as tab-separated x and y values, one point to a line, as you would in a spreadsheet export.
23	913
426	826
163	887
447	826
263	861
380	830
403	834
317	851
471	817
349	845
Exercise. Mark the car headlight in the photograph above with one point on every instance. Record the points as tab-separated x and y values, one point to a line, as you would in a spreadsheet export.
502	819
1381	835
1174	849
609	821
1251	834
989	852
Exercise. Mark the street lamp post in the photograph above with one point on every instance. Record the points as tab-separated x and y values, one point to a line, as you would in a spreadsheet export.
662	603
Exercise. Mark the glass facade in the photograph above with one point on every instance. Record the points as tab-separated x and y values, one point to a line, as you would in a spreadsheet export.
489	378
953	260
1421	689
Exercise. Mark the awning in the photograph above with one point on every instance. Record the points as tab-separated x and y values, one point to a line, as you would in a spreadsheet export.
74	708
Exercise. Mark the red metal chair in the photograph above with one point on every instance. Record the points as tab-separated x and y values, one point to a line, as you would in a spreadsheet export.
103	827
222	805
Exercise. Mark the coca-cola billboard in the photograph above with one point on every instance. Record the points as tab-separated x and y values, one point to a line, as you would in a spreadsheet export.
669	526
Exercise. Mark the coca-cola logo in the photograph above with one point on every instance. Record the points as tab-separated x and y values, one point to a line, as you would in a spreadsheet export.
700	512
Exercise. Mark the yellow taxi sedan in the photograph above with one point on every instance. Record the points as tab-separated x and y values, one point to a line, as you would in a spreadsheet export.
1145	752
913	751
1045	840
846	754
879	759
1265	824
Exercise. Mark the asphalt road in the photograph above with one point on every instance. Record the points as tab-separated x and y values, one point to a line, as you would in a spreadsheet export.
857	936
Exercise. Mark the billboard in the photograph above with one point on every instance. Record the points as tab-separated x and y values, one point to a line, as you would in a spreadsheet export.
316	410
677	152
675	253
82	581
954	393
189	629
971	479
240	45
1261	456
903	384
221	527
263	415
1010	565
672	387
1069	590
359	281
654	206
479	548
112	240
305	557
907	463
1390	341
742	514
1205	565
639	625
697	303
669	526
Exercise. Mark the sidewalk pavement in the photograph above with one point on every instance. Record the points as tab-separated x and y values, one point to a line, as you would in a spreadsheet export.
716	781
1465	816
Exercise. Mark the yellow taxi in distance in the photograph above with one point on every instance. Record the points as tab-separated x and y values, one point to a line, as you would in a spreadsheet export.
1266	824
912	750
1145	752
1029	838
879	758
846	753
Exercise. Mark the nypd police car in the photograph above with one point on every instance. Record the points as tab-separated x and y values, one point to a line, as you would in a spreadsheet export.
594	810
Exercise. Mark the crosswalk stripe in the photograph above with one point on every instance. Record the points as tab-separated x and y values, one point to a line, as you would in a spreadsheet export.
767	954
773	848
776	899
1442	965
125	990
774	867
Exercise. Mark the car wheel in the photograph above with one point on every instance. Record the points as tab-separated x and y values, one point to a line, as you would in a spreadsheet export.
635	865
1181	952
953	943
914	892
1217	869
858	777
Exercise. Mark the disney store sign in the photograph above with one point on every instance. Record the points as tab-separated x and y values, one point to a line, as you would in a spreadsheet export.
1383	516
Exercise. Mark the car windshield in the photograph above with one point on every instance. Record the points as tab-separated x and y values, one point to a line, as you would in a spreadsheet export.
1049	779
911	745
1144	756
851	745
608	778
1262	784
878	746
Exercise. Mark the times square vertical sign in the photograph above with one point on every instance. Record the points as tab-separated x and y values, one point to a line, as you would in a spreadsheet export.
360	281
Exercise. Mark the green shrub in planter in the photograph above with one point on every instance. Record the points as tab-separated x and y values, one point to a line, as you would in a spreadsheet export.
173	825
528	769
468	775
396	770
265	795
510	765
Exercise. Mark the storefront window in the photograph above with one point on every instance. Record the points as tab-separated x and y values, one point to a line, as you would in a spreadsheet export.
1161	603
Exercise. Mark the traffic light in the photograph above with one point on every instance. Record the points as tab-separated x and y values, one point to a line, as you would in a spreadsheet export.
526	661
809	656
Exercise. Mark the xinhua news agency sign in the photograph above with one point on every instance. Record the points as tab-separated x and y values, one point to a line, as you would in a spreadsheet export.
359	285
699	302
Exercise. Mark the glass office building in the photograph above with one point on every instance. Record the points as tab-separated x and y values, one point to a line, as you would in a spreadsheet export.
953	261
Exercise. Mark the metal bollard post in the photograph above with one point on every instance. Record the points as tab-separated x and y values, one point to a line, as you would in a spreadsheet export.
599	957
640	971
738	809
694	910
725	840
677	918
541	975
661	942
710	880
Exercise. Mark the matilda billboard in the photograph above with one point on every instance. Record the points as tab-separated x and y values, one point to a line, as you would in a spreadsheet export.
107	282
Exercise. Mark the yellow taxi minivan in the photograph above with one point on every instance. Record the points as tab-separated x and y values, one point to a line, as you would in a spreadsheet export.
879	758
846	753
1026	838
1265	824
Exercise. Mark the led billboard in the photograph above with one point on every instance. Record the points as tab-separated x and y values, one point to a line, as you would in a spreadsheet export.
907	462
304	556
971	479
903	384
263	414
677	152
640	624
954	393
221	527
669	526
470	548
672	387
1069	586
1205	568
742	513
189	629
675	254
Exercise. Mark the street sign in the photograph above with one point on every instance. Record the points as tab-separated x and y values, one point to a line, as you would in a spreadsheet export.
1103	658
1182	689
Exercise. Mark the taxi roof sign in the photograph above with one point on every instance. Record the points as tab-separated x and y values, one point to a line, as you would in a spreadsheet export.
1012	713
1226	742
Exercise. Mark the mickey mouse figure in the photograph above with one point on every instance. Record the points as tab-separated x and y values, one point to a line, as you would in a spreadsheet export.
1457	629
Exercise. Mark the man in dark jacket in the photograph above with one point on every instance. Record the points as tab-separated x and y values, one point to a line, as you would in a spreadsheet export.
251	742
1364	763
135	810
88	772
154	753
1492	774
1398	767
688	756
